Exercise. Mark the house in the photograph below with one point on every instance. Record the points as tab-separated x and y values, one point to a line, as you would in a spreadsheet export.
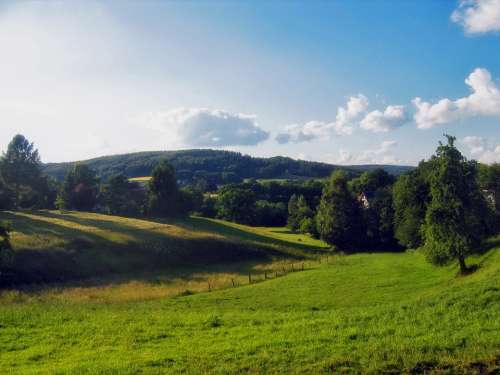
364	199
489	196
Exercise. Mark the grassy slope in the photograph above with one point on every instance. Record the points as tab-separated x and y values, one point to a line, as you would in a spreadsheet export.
55	246
361	313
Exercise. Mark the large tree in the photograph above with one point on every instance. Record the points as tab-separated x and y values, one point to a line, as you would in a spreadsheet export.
236	204
119	196
410	198
298	211
456	218
338	218
79	189
163	191
20	168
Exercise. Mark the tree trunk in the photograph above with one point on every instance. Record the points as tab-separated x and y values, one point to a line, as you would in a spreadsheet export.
463	267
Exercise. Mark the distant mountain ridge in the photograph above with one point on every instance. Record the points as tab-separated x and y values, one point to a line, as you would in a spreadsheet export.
214	165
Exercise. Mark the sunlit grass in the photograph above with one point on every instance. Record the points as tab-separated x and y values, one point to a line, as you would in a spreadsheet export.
364	313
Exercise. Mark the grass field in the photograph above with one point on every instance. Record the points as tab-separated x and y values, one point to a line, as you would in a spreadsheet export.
365	313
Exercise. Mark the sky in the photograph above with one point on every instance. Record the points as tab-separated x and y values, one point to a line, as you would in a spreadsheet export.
344	82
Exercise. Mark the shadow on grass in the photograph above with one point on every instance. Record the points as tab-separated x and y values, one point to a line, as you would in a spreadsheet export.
204	224
51	252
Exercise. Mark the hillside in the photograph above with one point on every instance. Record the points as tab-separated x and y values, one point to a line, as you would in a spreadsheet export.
66	247
366	313
215	165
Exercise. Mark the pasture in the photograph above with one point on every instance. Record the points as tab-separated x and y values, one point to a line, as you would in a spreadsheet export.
364	313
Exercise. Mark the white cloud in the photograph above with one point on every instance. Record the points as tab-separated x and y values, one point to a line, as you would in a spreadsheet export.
202	127
482	150
478	16
343	125
377	121
382	154
345	116
483	101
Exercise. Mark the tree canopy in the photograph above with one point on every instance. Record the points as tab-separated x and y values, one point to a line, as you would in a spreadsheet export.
338	218
20	167
455	217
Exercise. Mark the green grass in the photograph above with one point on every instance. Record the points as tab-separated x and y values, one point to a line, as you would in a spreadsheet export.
365	313
61	247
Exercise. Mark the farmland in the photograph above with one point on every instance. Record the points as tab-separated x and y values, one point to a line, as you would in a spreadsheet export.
370	312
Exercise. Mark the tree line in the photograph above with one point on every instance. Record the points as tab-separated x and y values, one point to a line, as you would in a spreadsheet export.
447	205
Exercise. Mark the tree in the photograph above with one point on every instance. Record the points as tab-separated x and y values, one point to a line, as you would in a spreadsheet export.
379	219
5	246
20	168
79	189
293	211
270	214
410	198
338	218
119	196
298	210
6	196
237	205
163	191
455	217
372	181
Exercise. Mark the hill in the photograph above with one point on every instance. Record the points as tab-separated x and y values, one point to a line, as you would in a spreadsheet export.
214	165
66	247
365	313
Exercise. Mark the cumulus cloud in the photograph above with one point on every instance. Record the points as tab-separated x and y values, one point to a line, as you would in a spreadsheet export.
382	154
343	125
482	150
391	118
202	127
478	16
483	101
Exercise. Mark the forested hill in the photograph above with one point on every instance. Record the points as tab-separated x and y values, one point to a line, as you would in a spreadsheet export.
214	165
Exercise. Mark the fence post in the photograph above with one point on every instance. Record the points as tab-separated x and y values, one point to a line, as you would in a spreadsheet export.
293	270
209	287
249	278
302	266
265	275
232	280
276	274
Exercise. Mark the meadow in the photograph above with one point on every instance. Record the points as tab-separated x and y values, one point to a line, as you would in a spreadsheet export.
363	313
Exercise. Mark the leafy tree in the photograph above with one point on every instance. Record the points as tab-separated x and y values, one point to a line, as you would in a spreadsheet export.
379	219
298	210
338	218
163	191
6	196
270	214
190	200
455	218
119	196
308	225
372	181
20	168
237	205
5	246
410	198
208	206
79	190
293	211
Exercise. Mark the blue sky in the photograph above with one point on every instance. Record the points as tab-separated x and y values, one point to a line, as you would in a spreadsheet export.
330	81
